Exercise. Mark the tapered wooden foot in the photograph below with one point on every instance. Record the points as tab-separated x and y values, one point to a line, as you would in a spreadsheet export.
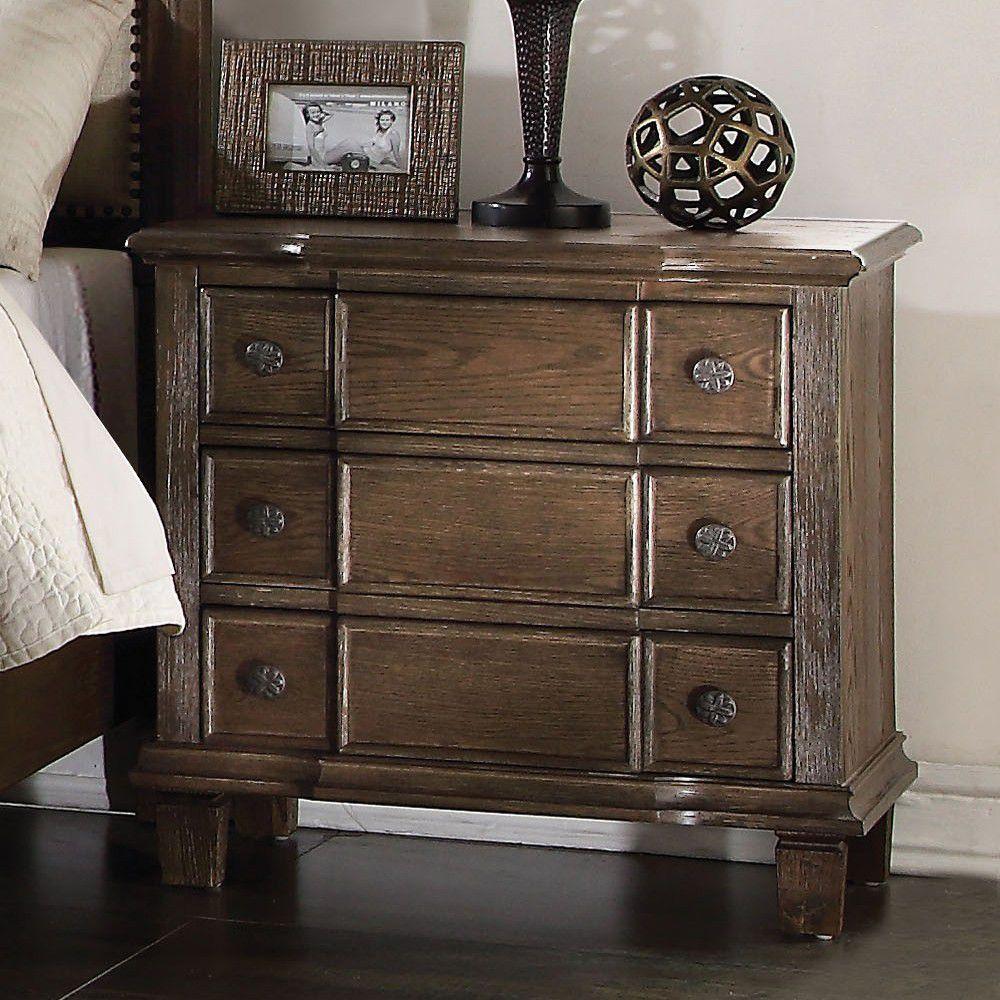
261	816
812	877
192	834
868	857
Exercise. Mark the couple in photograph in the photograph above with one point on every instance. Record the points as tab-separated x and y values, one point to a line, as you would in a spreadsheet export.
382	150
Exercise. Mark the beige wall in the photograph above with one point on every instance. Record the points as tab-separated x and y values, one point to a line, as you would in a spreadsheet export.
892	106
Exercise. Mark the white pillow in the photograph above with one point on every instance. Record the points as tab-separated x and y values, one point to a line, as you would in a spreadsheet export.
51	55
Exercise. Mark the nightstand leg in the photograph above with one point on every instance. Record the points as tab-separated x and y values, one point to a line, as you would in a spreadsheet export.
192	834
868	857
812	877
261	816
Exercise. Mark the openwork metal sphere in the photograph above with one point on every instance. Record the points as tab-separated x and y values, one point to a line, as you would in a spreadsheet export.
710	152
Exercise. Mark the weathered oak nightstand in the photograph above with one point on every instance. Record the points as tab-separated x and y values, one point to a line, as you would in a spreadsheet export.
582	523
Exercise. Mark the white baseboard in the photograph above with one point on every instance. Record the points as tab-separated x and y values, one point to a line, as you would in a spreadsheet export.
948	823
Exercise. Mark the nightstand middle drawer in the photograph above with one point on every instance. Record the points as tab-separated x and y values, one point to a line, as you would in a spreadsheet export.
499	530
267	517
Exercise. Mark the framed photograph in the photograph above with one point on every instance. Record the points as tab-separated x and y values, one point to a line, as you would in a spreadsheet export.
362	129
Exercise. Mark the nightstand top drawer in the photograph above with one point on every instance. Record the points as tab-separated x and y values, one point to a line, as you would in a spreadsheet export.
717	374
266	356
463	365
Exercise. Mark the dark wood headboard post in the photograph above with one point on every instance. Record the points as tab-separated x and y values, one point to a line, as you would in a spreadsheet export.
176	109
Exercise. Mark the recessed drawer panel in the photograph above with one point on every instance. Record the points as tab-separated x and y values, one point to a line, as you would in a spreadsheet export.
717	540
266	674
718	374
503	530
479	693
266	517
517	367
717	706
267	356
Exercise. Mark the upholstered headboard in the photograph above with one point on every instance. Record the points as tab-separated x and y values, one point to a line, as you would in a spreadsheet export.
145	153
104	173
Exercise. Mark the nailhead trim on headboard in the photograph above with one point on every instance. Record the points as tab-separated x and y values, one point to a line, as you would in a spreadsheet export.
129	209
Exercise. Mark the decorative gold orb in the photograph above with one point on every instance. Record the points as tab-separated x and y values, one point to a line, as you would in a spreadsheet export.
710	152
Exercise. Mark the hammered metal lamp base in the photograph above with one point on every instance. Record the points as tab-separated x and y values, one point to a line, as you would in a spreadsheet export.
542	31
541	200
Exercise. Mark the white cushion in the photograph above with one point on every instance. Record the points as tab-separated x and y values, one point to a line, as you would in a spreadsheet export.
51	56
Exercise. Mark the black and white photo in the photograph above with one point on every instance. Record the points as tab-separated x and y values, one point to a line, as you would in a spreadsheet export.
353	129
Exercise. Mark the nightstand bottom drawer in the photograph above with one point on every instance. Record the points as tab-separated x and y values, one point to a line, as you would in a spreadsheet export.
717	705
266	677
503	694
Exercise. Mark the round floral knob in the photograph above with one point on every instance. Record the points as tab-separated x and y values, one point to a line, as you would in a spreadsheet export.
713	375
266	520
715	708
265	681
715	541
265	357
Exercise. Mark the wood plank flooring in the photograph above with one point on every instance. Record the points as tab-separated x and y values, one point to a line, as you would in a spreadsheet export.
82	915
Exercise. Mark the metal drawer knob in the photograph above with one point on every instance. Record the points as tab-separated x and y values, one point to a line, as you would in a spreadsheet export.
715	541
715	708
713	375
266	520
265	681
265	357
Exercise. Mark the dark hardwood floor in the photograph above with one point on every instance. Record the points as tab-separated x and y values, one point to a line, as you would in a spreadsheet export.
82	914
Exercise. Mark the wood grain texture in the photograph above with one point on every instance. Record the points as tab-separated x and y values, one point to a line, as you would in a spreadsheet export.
499	530
868	633
177	489
298	322
192	834
755	673
869	858
53	705
513	527
300	484
754	505
819	318
781	251
176	113
501	449
264	816
842	811
465	692
431	70
300	646
498	612
752	339
458	365
812	876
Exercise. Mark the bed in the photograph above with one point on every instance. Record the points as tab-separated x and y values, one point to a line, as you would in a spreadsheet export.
133	165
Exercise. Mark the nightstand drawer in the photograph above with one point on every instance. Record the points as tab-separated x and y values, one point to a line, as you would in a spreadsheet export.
502	530
717	539
266	674
717	706
478	693
266	517
266	356
460	365
718	374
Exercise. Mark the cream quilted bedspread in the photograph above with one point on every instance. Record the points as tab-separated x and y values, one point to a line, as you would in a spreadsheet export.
82	549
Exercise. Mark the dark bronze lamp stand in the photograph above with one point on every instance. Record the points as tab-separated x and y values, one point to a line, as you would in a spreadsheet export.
542	31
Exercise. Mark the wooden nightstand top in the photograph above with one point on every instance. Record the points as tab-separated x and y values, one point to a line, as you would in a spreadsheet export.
784	251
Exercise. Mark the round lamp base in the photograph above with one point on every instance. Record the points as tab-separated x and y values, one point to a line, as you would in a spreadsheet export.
540	200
